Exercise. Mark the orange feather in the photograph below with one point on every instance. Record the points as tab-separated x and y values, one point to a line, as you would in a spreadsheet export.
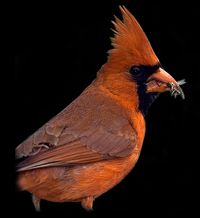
131	42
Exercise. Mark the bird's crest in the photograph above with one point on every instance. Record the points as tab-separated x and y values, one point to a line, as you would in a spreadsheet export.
130	41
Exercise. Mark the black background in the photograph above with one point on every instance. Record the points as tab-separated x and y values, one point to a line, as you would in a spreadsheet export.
59	47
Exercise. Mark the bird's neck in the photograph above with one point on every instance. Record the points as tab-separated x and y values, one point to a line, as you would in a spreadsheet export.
118	88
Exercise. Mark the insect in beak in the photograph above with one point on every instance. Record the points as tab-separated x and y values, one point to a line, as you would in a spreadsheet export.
176	90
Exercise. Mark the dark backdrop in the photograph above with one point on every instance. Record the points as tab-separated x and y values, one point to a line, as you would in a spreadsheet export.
58	50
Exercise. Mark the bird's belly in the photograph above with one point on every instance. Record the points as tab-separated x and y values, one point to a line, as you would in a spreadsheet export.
74	183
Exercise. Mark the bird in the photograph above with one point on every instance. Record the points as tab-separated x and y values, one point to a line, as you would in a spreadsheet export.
93	143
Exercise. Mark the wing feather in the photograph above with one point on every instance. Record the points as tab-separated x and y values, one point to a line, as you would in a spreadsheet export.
92	128
85	149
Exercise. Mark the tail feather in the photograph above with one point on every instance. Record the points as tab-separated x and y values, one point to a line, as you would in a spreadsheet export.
27	180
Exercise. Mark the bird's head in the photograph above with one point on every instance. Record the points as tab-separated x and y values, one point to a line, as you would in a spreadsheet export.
133	70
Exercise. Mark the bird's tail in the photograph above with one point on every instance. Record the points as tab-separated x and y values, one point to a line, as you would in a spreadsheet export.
20	181
20	177
27	180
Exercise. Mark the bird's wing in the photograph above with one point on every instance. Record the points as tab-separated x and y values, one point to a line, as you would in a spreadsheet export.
92	128
61	146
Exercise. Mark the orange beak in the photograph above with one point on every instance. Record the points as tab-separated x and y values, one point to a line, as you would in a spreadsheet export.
161	81
158	82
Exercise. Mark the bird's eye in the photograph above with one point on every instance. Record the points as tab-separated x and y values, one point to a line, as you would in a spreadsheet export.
135	71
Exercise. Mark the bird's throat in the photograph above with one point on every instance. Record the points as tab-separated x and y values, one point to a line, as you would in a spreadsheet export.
145	99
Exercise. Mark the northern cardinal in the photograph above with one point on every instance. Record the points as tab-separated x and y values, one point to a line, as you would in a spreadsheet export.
93	143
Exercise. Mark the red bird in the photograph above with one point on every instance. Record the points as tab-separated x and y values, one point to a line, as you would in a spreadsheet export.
92	144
